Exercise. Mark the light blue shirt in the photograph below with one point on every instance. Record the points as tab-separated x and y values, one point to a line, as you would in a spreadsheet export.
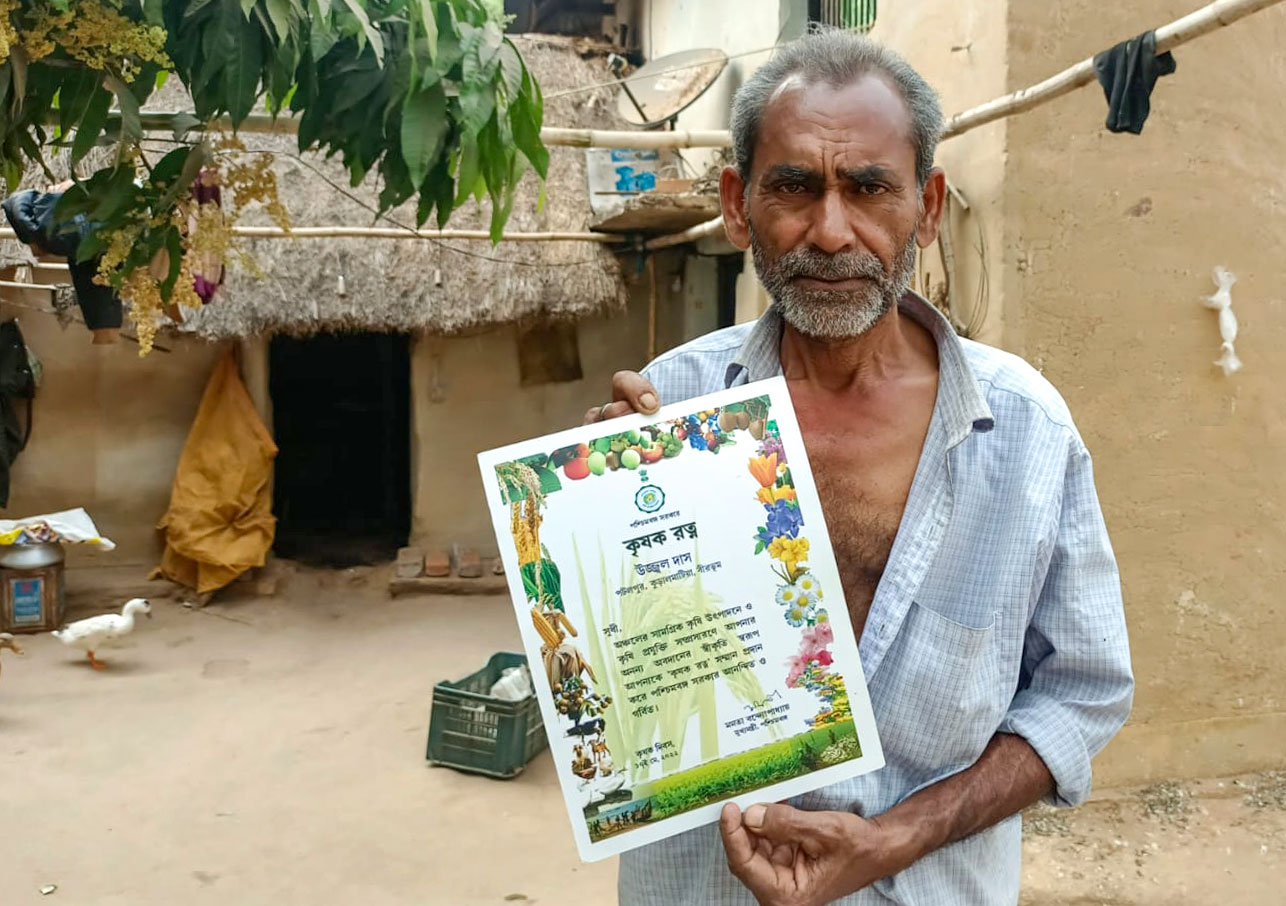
999	611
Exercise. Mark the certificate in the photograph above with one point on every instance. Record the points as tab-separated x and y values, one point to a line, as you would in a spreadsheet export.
682	613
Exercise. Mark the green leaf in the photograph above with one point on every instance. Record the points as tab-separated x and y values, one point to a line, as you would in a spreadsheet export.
549	482
74	97
424	130
321	37
429	23
281	14
371	33
12	173
469	173
18	60
477	103
182	124
195	7
242	64
543	583
131	126
169	167
511	67
117	193
173	245
197	157
450	49
524	120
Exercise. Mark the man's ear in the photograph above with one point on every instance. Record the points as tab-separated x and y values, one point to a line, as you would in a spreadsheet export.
935	197
732	199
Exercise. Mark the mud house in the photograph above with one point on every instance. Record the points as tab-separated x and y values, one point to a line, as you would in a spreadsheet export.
382	366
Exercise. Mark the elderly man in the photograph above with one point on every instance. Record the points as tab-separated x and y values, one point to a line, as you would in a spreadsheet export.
960	501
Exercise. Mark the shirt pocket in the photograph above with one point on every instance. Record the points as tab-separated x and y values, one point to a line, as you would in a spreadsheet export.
937	694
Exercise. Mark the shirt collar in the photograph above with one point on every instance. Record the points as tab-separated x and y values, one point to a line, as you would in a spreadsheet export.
963	406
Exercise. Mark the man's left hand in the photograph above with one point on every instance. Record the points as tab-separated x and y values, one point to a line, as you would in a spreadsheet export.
788	857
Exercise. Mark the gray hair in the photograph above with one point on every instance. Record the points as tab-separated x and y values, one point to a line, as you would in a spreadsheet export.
837	58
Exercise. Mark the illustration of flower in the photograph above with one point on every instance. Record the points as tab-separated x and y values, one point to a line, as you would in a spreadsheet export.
771	446
764	470
817	638
800	594
791	552
784	519
806	584
769	496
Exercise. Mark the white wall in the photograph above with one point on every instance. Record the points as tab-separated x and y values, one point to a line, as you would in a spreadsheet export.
671	26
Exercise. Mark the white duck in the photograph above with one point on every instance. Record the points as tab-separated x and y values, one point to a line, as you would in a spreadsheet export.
93	633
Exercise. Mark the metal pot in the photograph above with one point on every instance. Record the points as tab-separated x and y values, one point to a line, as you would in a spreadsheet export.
31	556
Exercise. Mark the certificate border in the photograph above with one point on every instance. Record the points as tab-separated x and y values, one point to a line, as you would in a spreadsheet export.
845	642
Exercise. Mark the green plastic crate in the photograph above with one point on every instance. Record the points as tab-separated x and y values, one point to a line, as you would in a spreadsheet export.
471	731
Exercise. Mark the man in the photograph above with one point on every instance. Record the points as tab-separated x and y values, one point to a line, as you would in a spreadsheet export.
959	499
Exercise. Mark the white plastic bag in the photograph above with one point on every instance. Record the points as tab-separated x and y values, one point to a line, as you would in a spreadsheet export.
1221	302
514	685
68	527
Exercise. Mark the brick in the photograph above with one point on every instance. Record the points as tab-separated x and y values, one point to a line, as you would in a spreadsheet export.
498	567
437	564
410	563
468	564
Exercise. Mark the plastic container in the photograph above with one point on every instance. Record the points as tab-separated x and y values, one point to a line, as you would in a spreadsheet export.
32	593
469	730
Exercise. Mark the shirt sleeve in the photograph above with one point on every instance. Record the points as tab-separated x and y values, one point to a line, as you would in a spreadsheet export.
1076	686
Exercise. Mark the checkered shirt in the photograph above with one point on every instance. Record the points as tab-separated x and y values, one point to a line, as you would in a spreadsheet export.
999	611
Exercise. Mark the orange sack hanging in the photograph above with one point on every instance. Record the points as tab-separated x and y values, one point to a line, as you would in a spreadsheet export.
220	522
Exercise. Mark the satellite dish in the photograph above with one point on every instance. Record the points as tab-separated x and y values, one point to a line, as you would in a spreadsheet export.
660	89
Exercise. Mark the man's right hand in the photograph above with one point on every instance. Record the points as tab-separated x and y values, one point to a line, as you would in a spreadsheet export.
631	392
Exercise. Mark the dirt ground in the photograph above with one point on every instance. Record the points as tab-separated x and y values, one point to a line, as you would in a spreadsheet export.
271	750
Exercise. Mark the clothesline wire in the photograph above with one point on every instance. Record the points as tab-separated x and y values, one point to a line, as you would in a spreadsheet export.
636	77
410	229
74	317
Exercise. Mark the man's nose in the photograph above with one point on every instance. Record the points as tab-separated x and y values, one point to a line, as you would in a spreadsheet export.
832	229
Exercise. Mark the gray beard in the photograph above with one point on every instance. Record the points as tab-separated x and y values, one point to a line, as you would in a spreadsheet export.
833	314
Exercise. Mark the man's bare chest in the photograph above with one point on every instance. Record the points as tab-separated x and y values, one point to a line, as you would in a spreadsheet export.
864	480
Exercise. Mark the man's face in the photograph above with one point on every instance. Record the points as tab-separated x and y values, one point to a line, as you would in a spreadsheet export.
832	211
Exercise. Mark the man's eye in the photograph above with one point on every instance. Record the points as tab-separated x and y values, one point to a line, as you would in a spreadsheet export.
872	189
791	188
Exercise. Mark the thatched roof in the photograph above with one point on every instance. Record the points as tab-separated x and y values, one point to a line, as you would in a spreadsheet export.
389	284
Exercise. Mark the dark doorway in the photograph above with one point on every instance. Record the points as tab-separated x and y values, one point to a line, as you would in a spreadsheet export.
730	267
341	406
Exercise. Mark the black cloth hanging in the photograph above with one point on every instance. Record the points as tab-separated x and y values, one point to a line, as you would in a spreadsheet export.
17	382
31	214
1128	73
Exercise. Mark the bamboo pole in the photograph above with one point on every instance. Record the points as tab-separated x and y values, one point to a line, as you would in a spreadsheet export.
262	123
1209	18
341	232
13	284
606	138
692	234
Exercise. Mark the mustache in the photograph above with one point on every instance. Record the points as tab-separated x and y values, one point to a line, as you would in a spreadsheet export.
818	265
